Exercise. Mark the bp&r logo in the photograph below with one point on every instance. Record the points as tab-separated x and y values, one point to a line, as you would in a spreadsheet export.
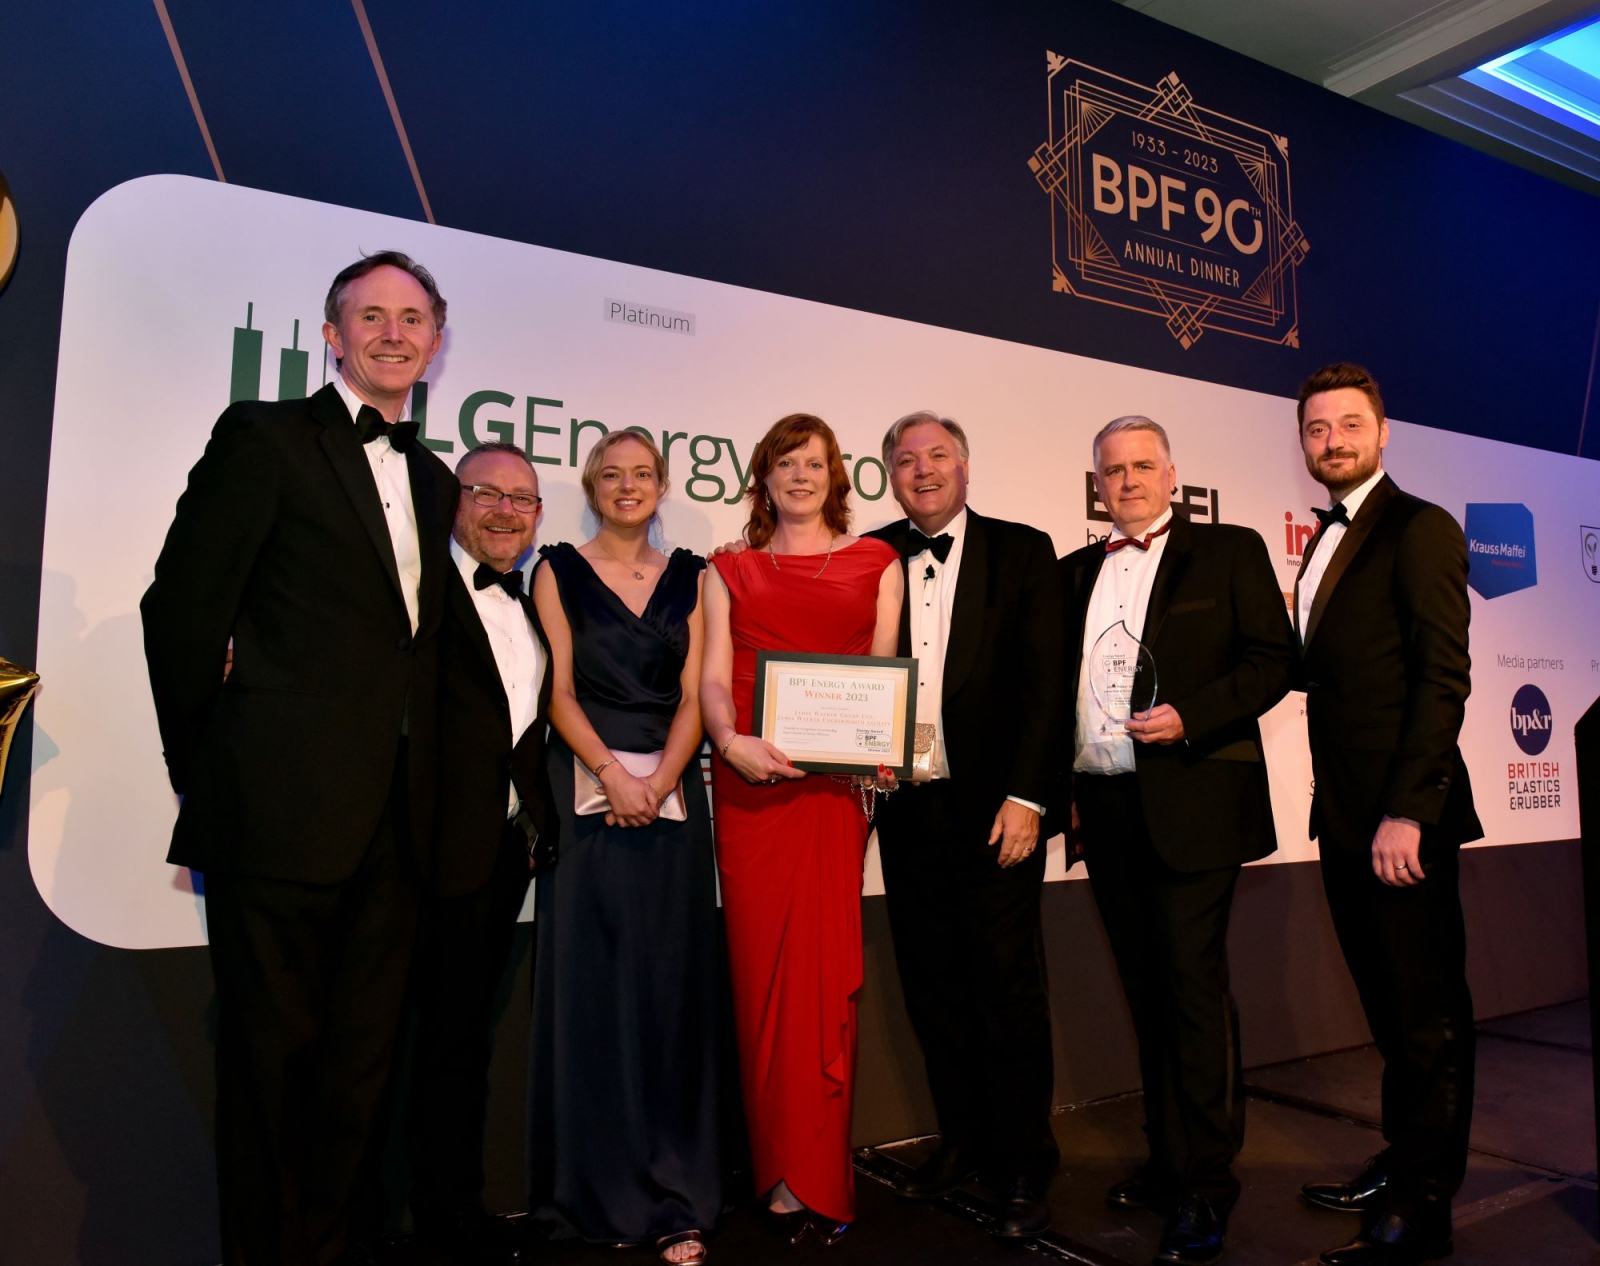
1531	719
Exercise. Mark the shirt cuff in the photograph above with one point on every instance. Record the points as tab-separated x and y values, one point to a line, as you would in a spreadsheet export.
1027	804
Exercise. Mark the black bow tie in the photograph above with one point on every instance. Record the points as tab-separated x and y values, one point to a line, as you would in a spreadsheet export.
510	581
941	545
371	426
1336	515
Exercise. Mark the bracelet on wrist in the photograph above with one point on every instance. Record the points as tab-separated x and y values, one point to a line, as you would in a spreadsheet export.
603	765
728	744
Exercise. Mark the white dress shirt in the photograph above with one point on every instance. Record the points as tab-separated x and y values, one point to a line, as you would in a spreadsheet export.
393	478
516	650
1327	547
1121	593
931	591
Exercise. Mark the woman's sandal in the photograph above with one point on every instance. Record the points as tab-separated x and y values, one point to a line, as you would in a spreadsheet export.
682	1237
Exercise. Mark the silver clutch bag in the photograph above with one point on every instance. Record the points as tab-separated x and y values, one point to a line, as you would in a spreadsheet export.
922	736
589	796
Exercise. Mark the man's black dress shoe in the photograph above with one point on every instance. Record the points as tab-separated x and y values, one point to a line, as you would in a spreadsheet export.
789	1226
1392	1241
1359	1194
1141	1192
827	1230
1193	1236
950	1168
1023	1214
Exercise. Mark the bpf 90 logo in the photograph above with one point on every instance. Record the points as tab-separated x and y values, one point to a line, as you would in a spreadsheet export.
1146	192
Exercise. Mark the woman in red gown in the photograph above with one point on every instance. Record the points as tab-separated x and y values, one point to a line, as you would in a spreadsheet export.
790	846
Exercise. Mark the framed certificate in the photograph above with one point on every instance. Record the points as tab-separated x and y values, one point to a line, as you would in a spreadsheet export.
837	714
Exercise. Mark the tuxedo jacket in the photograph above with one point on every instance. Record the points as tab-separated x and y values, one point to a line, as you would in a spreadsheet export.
280	543
477	762
1223	649
1384	665
1002	668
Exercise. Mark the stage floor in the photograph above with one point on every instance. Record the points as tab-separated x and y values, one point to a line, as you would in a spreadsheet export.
1530	1197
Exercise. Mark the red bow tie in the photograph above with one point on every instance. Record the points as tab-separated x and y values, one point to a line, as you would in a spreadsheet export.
1113	546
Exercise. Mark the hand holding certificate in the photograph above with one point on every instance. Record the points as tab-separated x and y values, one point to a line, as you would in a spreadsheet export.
837	714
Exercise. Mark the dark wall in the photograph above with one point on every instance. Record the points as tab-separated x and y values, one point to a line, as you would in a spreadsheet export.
870	154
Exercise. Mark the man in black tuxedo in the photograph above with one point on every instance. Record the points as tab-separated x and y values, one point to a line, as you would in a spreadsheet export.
495	823
1382	610
963	865
1172	804
313	536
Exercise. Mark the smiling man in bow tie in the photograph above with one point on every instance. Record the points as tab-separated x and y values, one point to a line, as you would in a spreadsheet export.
495	826
313	537
1172	803
963	854
1382	610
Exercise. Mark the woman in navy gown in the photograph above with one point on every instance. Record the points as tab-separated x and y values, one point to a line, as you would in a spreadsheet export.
624	1077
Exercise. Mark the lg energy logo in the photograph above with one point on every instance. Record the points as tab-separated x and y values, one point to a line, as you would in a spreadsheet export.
1532	784
545	427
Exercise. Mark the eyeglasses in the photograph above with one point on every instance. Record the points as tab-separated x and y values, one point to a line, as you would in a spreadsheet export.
488	496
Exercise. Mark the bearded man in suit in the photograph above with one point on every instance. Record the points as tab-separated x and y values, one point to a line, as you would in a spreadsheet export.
1173	801
496	825
312	538
963	857
1381	609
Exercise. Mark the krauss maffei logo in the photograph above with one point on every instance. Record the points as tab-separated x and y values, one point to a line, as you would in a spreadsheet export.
1589	544
1500	555
1165	207
1531	719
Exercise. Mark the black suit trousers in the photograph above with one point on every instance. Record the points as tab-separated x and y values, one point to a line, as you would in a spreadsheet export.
463	946
1407	949
968	944
311	983
1169	935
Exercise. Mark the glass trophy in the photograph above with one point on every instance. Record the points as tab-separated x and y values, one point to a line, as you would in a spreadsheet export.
1122	677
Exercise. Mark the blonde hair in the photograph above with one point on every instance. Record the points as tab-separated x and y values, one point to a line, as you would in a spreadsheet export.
602	449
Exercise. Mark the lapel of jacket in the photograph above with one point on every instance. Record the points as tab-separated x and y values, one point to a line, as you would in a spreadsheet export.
343	448
895	534
1174	562
542	713
459	594
972	596
1082	590
1354	537
434	521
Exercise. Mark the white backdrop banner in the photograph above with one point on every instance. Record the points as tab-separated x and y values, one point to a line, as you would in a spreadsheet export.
182	294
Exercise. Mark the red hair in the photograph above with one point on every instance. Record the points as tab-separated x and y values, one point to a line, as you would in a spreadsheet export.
784	436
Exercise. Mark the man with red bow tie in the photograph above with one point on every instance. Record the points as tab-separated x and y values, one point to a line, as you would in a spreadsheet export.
1172	801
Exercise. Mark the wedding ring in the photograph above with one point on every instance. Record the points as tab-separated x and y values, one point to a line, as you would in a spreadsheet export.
1401	866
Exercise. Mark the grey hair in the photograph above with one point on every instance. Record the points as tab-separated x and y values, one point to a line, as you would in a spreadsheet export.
494	446
1131	422
896	433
